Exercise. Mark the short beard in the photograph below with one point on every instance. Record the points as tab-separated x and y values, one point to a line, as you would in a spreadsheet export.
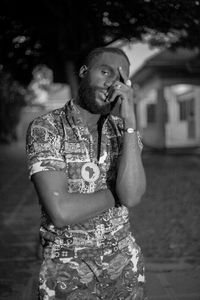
87	99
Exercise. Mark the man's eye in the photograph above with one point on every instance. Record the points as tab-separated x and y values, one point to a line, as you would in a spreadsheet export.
104	72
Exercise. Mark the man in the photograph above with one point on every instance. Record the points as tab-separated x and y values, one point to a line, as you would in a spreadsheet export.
86	167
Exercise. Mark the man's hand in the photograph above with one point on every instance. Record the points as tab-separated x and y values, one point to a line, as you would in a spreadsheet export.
124	95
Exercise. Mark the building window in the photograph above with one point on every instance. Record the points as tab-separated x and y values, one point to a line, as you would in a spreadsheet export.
183	110
151	113
186	109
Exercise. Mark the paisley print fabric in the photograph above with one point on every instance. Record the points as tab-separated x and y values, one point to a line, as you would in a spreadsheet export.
98	258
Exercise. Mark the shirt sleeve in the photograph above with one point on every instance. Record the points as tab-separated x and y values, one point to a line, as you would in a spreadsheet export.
43	147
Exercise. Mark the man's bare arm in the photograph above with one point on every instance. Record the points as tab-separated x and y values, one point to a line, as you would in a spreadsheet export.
68	208
131	180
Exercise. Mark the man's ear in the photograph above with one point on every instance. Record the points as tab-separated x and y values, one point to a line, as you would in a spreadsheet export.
83	71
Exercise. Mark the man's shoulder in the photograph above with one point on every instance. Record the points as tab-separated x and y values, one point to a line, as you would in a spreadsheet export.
49	118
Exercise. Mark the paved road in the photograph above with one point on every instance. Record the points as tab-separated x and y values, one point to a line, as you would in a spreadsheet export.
19	221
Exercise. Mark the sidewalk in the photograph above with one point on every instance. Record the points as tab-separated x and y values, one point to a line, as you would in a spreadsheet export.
19	220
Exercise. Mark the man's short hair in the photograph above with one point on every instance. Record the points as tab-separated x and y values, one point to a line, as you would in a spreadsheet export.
98	51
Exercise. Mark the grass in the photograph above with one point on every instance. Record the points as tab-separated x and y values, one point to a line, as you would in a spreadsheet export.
166	223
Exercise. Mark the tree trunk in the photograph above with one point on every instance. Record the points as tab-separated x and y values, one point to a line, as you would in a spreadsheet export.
71	77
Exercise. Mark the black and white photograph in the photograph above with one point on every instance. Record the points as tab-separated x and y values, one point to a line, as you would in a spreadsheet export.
100	150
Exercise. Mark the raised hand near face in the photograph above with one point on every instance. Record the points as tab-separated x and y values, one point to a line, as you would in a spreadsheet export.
122	91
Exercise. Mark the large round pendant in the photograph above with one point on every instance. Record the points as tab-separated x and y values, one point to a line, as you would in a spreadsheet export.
90	172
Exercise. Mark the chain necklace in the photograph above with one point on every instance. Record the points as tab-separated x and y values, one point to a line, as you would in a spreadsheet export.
91	150
90	171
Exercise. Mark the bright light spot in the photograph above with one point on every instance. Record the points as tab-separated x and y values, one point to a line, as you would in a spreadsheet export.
181	88
19	39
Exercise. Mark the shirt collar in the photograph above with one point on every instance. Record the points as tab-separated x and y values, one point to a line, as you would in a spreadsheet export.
73	114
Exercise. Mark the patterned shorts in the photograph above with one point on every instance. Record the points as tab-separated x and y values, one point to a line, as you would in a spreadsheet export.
112	272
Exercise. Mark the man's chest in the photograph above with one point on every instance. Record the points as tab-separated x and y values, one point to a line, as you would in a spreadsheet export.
90	160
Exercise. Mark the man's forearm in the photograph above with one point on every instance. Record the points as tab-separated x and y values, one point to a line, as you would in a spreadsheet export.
66	208
76	208
131	181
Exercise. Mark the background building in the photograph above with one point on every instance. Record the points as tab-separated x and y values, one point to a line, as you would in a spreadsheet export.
168	109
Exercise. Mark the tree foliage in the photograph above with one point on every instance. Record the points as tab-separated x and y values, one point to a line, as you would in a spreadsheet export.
59	34
53	32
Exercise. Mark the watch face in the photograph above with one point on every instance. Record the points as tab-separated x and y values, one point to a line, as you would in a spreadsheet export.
130	130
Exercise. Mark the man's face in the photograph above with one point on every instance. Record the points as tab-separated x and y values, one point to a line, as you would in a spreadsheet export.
102	73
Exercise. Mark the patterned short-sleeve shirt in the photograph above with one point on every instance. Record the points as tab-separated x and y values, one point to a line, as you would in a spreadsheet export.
59	140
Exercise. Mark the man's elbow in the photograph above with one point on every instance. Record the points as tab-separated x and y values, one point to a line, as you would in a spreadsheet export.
58	223
132	201
133	198
61	220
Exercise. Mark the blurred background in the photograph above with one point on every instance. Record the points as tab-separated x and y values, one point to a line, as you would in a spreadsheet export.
42	44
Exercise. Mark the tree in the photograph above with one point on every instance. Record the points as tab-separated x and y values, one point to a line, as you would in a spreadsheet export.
59	33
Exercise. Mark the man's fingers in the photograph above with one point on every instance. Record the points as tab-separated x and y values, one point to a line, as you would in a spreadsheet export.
111	93
118	89
123	75
114	95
